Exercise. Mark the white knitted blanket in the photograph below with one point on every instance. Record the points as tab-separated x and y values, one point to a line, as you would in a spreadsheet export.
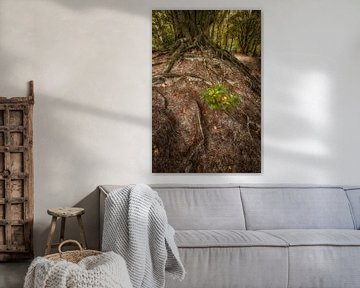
103	271
136	227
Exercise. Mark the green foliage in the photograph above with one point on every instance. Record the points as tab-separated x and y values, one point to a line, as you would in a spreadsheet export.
219	97
163	31
238	31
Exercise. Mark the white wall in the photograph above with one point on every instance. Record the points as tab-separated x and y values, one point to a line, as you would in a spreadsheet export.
90	61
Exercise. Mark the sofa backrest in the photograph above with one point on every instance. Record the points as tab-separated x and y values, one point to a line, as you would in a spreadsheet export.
234	207
296	208
202	207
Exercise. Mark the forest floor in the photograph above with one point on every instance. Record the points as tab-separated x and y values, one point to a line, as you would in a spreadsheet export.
188	137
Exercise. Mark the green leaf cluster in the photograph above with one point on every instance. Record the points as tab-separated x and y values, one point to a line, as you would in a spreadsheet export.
219	97
163	34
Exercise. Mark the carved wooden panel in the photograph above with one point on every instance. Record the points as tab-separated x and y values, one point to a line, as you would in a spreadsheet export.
16	177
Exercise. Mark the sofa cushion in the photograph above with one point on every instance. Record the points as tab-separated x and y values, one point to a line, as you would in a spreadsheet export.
191	208
317	237
324	266
296	208
322	258
226	238
220	267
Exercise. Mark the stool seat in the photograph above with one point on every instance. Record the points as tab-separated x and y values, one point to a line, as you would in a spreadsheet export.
66	211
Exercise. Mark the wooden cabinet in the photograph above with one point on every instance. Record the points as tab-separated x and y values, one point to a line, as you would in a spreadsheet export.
16	177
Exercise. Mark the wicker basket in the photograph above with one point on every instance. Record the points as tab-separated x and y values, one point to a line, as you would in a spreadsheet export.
72	256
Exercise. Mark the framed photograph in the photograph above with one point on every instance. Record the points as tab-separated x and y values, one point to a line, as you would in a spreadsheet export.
206	91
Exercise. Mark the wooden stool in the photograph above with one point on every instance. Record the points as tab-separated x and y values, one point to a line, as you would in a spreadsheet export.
64	213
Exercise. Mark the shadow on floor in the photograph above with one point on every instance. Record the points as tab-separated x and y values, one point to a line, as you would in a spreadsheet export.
12	274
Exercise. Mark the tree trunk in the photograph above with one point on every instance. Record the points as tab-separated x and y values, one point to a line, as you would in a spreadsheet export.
193	25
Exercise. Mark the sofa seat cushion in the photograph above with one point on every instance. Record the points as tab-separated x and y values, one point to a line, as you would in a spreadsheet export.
322	258
226	238
233	267
317	237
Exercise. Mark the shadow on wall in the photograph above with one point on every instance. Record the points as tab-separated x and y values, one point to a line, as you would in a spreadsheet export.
63	163
66	164
98	112
72	161
135	7
70	153
138	7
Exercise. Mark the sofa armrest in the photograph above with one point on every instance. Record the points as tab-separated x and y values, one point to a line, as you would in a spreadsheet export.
103	195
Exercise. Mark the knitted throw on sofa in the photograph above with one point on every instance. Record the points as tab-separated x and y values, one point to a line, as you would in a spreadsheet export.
102	271
136	227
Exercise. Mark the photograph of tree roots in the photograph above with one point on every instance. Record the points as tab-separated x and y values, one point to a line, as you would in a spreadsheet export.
206	91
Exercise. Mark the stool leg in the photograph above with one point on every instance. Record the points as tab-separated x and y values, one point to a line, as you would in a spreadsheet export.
51	235
82	232
62	231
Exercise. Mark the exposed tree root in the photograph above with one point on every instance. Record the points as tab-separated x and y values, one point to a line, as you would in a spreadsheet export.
161	53
160	78
166	101
158	63
174	58
255	83
182	46
198	146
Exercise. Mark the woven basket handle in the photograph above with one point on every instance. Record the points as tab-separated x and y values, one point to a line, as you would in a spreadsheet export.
69	241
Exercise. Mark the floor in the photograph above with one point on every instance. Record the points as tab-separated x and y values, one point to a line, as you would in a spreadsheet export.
12	274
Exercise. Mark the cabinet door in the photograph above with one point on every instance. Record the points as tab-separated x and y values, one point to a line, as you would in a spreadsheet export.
16	212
